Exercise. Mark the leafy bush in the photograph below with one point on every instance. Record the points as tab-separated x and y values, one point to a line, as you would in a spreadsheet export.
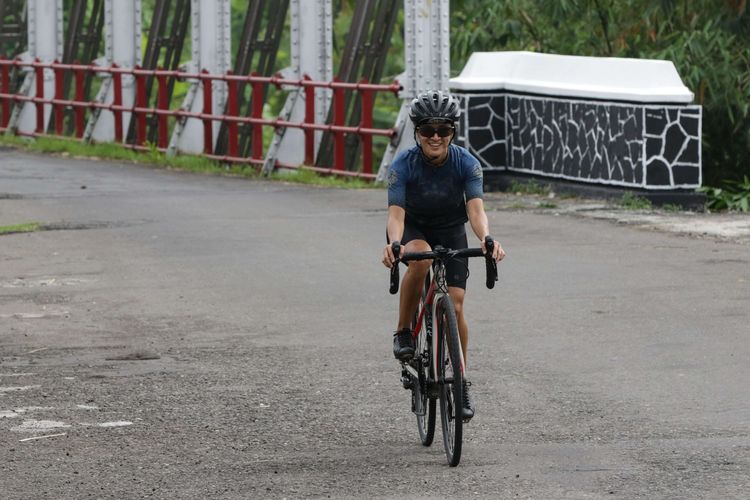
735	195
706	39
634	202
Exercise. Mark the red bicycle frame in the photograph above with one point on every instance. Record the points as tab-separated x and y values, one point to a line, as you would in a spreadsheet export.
429	304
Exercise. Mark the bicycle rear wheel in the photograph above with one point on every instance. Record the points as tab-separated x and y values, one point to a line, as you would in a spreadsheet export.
424	405
450	376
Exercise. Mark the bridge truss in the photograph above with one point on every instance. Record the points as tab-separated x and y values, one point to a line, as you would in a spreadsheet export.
108	33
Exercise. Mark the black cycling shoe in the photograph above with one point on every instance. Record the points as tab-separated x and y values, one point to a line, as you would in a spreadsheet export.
468	402
403	345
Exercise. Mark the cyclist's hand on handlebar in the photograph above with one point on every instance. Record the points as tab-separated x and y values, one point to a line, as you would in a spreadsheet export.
497	251
389	258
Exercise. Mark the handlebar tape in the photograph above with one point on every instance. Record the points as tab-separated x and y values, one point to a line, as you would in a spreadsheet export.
396	247
490	263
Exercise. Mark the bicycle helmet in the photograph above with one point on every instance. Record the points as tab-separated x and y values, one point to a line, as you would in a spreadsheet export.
434	105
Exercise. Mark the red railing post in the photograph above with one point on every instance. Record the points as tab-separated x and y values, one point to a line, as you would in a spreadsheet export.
309	119
208	108
4	89
232	111
162	104
59	95
140	102
338	120
257	112
367	103
80	110
117	103
39	98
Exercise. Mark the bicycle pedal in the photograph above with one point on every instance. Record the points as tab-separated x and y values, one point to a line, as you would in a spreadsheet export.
406	379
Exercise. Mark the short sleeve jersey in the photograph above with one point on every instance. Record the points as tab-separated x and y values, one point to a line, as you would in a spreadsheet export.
434	197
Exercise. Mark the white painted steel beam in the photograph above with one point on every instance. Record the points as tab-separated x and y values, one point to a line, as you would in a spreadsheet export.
45	32
122	46
427	61
426	46
211	35
312	55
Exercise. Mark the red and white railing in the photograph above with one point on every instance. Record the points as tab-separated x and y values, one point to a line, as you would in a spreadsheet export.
80	105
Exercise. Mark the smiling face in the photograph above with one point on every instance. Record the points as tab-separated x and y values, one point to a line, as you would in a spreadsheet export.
434	139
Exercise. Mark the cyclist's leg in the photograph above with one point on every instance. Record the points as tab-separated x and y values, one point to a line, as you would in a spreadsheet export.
411	286
413	240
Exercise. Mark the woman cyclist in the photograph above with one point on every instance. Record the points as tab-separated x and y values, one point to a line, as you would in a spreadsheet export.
434	188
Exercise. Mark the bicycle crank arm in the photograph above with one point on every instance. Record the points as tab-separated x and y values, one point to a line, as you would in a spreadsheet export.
412	372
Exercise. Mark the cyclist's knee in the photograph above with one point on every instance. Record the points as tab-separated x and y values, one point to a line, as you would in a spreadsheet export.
420	267
459	307
417	246
457	295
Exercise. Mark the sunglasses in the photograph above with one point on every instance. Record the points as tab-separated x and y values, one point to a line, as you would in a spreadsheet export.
427	131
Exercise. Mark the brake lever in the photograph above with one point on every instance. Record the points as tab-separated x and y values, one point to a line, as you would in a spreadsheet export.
490	264
396	248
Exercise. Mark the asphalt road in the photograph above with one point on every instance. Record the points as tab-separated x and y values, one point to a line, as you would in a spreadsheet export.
182	336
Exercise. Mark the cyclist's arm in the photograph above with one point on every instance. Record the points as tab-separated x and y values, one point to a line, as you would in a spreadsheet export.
473	191
481	227
478	218
395	230
397	179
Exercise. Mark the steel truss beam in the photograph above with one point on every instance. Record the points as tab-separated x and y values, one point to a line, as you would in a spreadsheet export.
259	45
166	40
363	57
84	38
122	21
211	52
427	61
311	44
45	42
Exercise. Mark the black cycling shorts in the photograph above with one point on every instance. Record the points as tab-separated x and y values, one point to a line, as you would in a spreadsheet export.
456	269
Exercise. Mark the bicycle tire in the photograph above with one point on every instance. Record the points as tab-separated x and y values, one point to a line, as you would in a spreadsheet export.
424	406
451	393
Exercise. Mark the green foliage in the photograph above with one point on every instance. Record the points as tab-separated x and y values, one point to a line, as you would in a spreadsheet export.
706	39
529	187
28	227
632	201
735	195
546	204
304	176
671	207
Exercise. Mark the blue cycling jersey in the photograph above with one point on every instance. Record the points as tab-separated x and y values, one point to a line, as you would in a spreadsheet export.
434	197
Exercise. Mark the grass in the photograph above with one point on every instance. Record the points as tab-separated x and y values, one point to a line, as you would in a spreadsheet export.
182	162
302	176
634	202
518	206
28	227
546	204
529	187
671	207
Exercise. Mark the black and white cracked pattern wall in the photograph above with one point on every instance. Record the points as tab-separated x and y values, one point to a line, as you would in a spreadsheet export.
645	146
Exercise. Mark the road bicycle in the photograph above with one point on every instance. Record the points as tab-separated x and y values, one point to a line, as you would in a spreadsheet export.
436	371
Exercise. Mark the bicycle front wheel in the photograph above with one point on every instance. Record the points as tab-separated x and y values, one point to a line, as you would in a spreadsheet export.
450	378
424	405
